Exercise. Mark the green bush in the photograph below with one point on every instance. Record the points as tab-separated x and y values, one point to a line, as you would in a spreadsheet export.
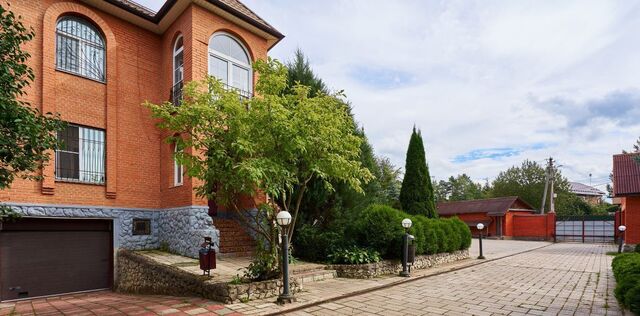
632	299
378	228
626	270
314	244
354	255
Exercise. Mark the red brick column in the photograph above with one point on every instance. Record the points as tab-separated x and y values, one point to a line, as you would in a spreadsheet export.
551	226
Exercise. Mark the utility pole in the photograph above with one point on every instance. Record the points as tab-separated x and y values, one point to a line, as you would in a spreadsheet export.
548	179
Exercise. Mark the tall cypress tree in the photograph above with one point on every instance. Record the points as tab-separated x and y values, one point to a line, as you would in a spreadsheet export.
416	194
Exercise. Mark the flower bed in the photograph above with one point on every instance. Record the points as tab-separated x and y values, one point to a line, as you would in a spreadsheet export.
372	270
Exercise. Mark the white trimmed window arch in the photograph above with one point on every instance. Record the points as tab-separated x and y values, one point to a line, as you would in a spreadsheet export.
80	48
178	70
229	62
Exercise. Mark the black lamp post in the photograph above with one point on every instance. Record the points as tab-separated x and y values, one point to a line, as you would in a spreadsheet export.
284	219
480	226
621	229
406	223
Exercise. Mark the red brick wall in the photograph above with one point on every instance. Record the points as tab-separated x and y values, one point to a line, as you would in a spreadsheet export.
478	217
533	226
631	218
139	166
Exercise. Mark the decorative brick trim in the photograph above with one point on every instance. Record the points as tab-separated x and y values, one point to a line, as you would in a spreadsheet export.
51	16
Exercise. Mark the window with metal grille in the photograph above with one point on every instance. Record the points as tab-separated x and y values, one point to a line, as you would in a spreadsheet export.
80	48
178	71
81	155
141	226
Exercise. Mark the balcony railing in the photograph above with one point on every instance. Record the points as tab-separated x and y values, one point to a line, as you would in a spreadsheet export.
176	93
242	93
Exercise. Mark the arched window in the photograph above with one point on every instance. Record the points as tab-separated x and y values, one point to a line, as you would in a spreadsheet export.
80	48
229	62
178	71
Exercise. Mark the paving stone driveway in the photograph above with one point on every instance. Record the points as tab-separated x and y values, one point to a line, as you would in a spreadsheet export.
562	279
109	303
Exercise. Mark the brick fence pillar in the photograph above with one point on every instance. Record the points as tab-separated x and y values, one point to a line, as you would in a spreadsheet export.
551	225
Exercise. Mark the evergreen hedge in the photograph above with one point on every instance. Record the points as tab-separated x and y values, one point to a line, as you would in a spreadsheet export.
379	227
626	270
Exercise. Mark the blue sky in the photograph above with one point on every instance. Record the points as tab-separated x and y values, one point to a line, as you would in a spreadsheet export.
489	83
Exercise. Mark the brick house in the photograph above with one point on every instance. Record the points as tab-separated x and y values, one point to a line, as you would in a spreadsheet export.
503	217
587	193
626	190
115	184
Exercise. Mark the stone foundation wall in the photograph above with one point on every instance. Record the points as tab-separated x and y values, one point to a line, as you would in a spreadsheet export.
181	229
372	270
138	274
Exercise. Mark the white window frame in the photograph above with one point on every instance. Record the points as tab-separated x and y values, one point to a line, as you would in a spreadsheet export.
178	170
231	61
98	163
175	54
82	42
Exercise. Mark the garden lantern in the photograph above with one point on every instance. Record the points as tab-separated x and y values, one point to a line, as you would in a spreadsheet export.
406	223
284	219
621	229
480	227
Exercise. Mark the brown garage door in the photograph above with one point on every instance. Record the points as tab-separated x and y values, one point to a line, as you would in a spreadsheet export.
53	256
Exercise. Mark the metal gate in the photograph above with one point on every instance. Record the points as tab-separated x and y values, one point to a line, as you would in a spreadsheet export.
585	228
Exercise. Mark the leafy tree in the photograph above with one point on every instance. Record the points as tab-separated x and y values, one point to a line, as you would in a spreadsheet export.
322	206
416	195
527	181
389	181
274	143
458	188
26	136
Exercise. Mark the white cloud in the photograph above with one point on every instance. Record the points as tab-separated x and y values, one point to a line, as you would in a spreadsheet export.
471	74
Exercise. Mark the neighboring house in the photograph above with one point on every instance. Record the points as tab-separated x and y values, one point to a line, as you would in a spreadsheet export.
115	184
626	191
503	217
587	193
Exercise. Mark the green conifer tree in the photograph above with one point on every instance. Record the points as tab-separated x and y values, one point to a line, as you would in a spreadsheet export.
416	194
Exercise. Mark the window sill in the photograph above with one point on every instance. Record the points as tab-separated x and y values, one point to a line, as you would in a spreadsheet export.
80	76
80	182
176	186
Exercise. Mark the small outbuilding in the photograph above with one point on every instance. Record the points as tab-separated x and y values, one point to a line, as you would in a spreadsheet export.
503	217
626	190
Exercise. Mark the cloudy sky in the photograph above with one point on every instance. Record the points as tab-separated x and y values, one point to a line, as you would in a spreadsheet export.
489	83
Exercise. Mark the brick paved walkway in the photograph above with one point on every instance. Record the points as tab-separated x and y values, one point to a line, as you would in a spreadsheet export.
109	303
562	279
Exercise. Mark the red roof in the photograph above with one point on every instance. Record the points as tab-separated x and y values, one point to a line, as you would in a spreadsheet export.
626	174
497	206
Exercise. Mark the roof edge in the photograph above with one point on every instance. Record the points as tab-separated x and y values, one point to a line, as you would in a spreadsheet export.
166	7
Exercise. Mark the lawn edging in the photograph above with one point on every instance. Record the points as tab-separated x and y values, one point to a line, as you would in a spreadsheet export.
386	267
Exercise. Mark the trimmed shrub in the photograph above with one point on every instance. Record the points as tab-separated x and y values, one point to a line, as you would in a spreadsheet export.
378	228
626	270
313	244
465	233
632	299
